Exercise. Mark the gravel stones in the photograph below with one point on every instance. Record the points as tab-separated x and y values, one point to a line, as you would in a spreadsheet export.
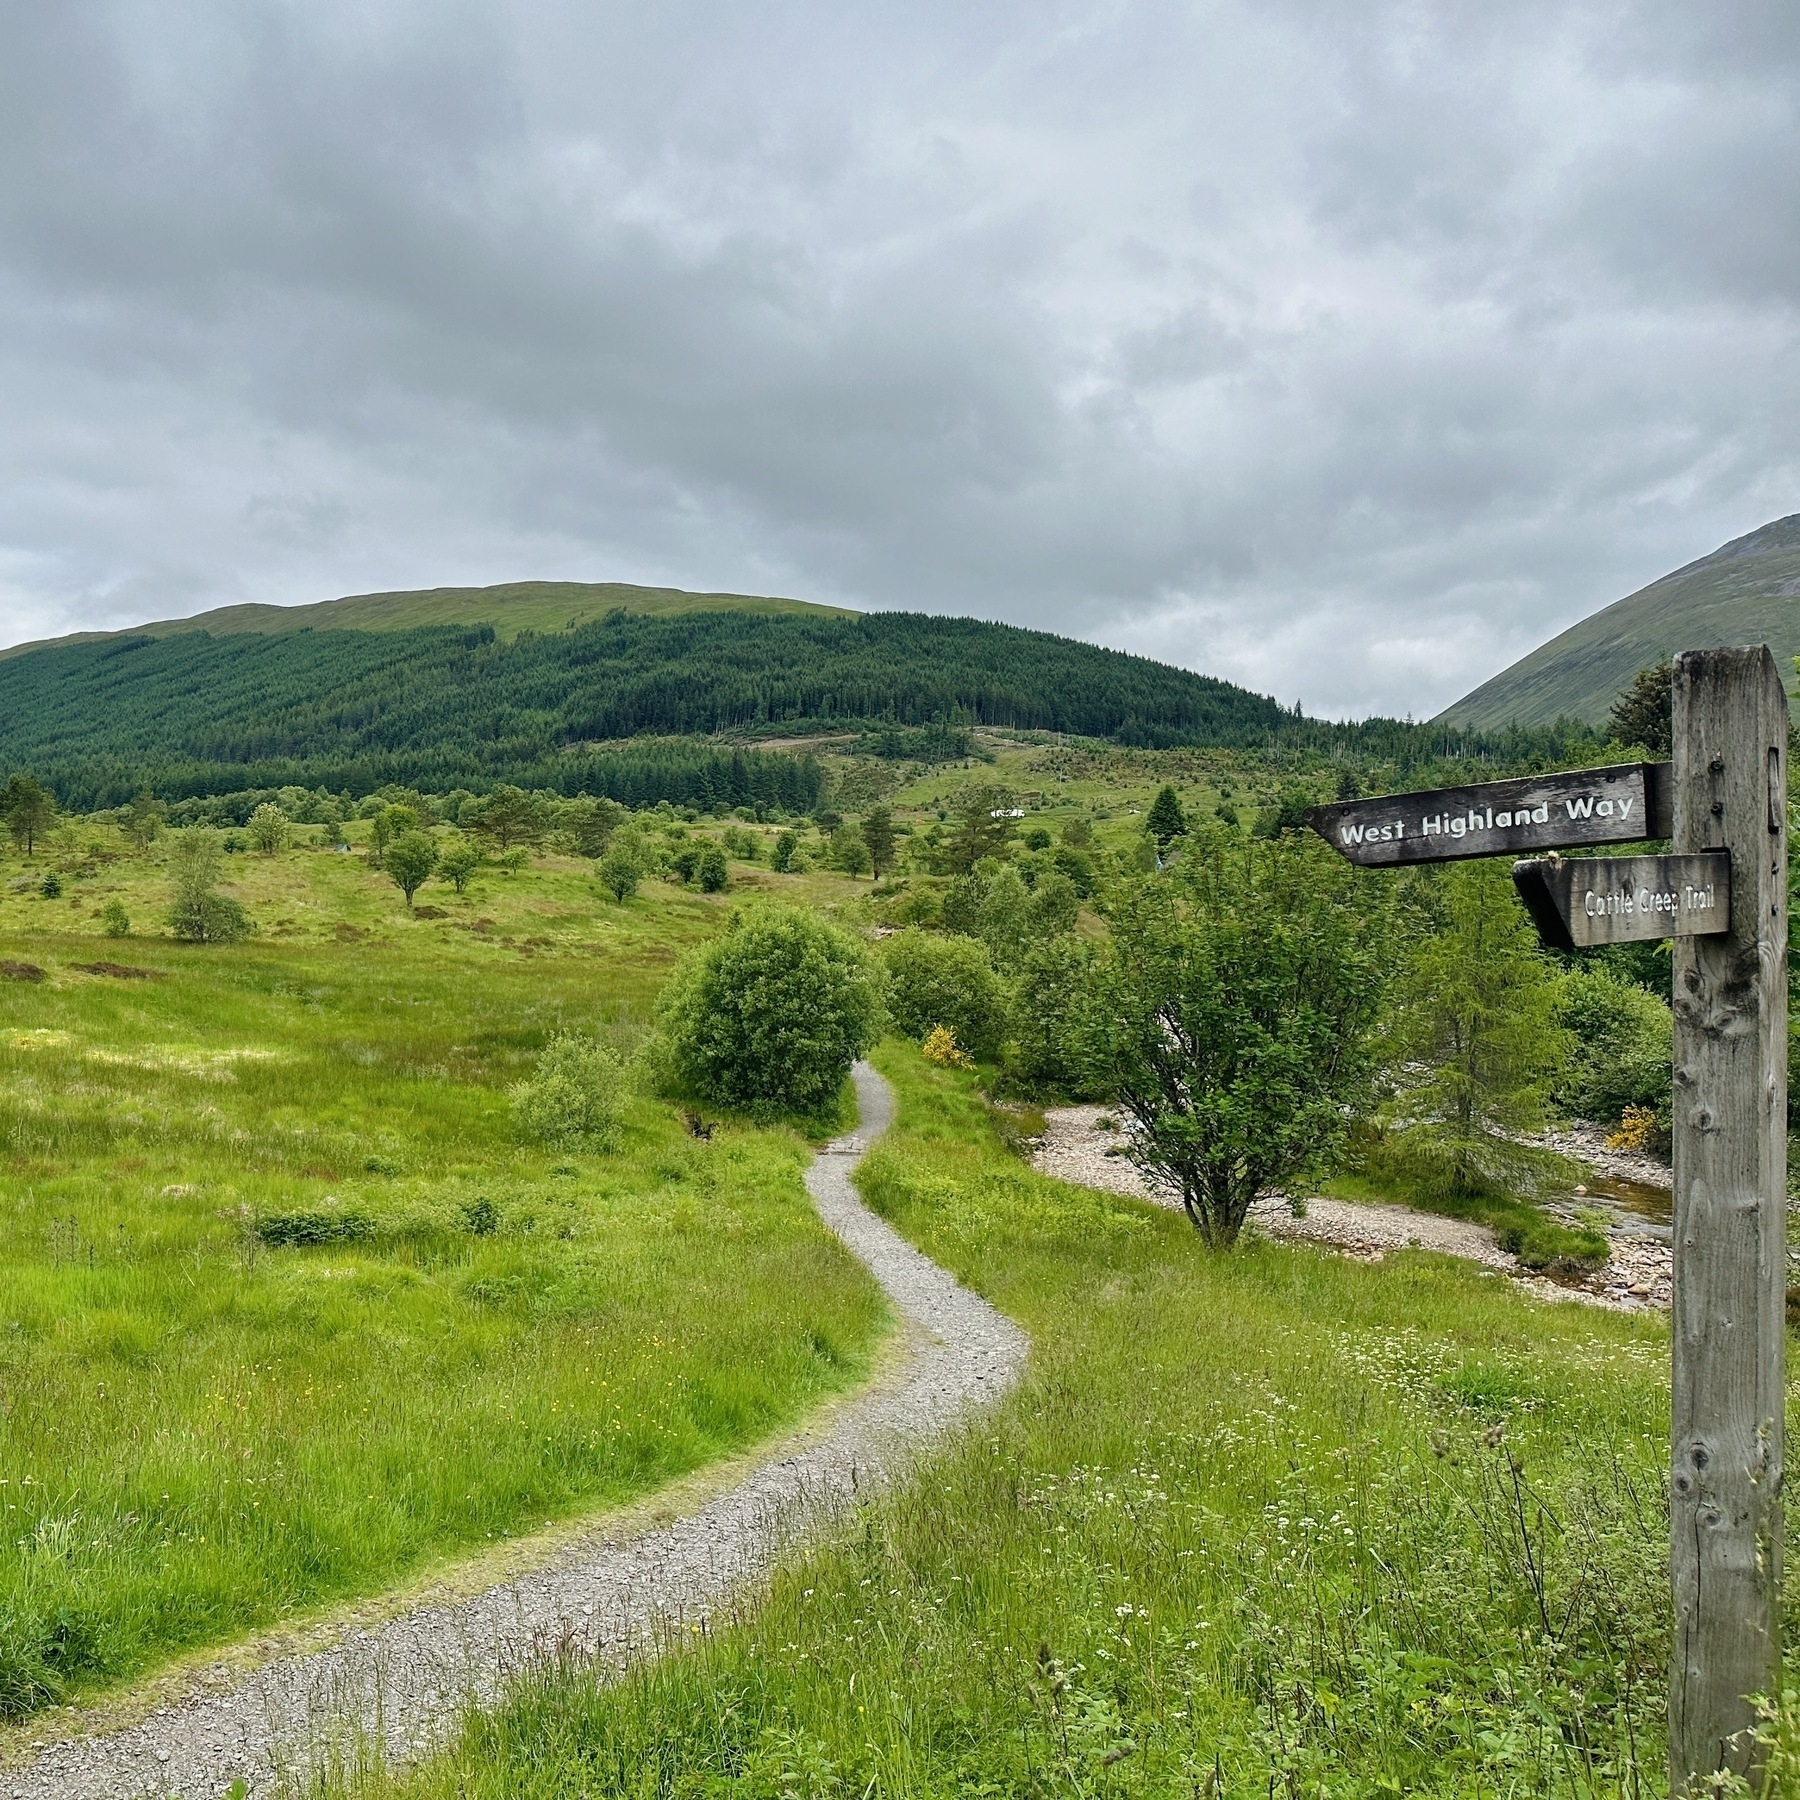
402	1686
1078	1146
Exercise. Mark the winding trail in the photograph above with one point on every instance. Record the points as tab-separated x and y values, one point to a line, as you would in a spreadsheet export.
404	1684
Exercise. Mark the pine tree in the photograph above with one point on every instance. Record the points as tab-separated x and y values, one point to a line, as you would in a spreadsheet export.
1166	821
1477	1014
1643	713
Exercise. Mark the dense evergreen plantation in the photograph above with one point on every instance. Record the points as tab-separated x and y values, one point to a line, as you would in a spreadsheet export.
623	706
441	707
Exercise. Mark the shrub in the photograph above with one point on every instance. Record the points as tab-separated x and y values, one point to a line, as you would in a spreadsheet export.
115	919
460	859
781	859
1047	1048
209	919
710	869
199	915
1621	1058
576	1094
941	1047
619	873
51	886
308	1227
269	828
771	1014
947	981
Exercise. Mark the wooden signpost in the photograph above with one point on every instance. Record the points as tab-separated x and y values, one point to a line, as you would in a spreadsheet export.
1579	902
1722	897
1624	804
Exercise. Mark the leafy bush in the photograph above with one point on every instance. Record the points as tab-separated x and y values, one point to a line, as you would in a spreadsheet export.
199	915
114	919
781	859
710	869
1622	1035
1047	1047
620	873
269	828
941	1047
304	1227
209	919
460	858
947	981
576	1094
770	1015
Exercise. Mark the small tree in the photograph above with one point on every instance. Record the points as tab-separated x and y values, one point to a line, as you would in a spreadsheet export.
200	915
984	825
143	819
409	861
510	816
620	873
589	823
1046	1017
458	861
781	858
1477	1043
848	850
879	835
710	869
390	822
949	981
771	1014
269	828
1232	1014
1166	821
1644	713
114	919
29	810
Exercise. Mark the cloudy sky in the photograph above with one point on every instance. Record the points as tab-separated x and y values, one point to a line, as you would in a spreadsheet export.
1343	350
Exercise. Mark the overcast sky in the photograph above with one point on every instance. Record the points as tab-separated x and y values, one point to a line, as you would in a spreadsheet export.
1343	350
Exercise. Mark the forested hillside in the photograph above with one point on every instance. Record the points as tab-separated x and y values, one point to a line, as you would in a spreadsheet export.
440	707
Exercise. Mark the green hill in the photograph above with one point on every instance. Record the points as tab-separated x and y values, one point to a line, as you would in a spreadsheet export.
1745	592
511	607
446	705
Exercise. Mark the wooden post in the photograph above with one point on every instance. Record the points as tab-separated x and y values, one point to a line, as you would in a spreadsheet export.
1730	1114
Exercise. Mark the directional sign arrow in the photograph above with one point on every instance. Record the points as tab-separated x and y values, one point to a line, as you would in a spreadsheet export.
1578	902
1623	804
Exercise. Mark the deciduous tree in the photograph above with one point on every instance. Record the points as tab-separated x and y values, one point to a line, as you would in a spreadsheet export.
1232	1017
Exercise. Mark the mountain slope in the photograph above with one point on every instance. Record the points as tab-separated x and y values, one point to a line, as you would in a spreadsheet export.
1745	592
442	706
511	607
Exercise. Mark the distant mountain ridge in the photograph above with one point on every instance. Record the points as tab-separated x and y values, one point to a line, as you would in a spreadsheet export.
1745	592
510	607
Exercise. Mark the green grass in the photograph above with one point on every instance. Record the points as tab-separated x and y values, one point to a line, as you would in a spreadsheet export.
200	1434
1268	1524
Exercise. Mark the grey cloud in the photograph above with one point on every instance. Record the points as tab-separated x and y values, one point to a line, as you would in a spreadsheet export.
1344	352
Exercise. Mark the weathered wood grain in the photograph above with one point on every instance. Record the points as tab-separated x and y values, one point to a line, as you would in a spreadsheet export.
1580	902
1620	804
1730	1117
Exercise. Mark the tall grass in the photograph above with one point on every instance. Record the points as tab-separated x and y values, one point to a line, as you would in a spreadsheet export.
1266	1524
288	1309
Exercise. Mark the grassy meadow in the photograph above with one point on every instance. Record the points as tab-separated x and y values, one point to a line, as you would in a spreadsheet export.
203	1432
1275	1523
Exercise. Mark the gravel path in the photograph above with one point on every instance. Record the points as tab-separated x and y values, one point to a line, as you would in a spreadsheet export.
1077	1146
403	1685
